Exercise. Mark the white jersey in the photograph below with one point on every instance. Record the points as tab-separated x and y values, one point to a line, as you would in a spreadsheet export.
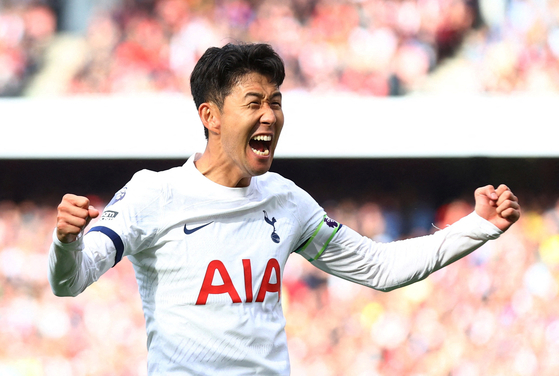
209	261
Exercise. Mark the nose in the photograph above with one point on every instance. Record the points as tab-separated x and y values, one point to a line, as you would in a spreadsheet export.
268	115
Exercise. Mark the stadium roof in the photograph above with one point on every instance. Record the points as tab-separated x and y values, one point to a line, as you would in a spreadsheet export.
331	126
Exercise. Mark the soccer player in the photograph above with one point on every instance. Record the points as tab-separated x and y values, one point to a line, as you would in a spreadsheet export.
209	240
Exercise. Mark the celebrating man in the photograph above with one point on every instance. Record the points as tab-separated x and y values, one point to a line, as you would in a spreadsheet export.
209	240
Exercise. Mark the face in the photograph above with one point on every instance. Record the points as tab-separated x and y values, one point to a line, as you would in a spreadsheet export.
250	124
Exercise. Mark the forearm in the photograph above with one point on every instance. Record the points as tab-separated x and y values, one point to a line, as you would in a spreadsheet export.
386	266
74	266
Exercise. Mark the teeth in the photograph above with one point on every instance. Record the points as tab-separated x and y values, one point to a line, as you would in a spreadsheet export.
263	153
262	138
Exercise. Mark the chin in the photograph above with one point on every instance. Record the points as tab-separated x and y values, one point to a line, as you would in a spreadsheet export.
257	165
260	170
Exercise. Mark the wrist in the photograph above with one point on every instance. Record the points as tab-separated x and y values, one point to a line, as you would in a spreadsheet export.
67	243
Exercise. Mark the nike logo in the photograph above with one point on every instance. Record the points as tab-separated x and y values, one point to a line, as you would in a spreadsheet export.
192	230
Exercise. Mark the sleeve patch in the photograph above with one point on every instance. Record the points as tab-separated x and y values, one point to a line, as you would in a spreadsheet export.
318	242
118	196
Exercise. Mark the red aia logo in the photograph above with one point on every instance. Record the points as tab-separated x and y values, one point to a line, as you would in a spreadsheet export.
228	288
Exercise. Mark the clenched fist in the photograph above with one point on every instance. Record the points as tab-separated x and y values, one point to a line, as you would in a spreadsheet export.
74	214
499	206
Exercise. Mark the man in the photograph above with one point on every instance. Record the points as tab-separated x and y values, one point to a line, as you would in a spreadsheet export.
209	240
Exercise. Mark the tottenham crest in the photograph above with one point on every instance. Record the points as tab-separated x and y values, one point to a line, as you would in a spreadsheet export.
272	222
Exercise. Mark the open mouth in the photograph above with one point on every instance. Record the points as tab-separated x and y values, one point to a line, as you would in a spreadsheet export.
261	144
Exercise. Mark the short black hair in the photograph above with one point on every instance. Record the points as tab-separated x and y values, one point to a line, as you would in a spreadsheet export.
219	69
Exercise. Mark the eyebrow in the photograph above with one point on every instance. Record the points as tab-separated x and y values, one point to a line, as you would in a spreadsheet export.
261	96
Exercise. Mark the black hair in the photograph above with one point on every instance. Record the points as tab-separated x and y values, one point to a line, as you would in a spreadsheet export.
219	69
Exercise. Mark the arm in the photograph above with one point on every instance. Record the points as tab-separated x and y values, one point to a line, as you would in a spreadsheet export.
72	267
75	261
386	266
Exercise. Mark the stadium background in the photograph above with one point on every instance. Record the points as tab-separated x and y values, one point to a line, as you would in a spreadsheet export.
434	98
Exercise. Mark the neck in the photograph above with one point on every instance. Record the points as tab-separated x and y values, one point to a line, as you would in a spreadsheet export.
221	173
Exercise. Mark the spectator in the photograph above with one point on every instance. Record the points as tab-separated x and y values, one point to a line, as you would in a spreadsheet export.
26	32
377	48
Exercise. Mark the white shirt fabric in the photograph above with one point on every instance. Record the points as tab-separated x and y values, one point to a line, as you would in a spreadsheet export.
209	261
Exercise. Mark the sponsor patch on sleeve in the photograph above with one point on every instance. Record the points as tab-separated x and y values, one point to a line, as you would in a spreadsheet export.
109	215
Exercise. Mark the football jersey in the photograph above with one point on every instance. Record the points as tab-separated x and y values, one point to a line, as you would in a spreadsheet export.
209	261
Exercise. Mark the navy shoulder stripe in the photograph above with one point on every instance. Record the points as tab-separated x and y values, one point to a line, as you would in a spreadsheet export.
115	238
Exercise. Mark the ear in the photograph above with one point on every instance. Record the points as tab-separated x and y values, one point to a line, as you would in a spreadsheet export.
210	116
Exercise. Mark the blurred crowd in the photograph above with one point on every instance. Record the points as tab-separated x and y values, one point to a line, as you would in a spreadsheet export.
26	33
491	313
369	47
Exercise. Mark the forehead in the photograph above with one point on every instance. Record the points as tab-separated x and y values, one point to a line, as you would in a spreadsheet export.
254	82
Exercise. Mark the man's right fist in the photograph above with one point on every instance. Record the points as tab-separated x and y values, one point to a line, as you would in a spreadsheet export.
74	214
